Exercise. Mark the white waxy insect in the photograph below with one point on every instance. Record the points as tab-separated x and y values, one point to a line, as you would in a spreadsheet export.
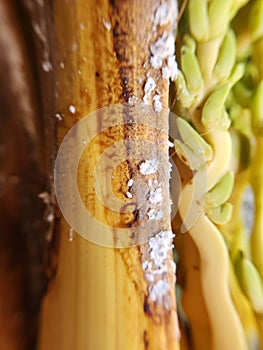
72	109
70	235
130	183
128	194
149	166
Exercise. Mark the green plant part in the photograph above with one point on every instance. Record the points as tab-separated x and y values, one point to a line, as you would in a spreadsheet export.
192	159
256	20
214	106
250	281
227	56
220	215
221	192
193	140
244	310
198	19
218	13
256	106
183	95
191	70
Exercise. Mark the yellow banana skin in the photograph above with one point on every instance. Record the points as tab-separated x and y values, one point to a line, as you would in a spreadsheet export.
100	296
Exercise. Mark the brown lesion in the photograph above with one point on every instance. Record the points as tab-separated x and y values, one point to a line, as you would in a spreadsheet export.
145	340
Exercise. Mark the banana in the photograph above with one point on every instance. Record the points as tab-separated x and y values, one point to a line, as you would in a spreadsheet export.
103	297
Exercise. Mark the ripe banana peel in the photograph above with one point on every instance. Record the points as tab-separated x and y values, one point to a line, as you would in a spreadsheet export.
105	298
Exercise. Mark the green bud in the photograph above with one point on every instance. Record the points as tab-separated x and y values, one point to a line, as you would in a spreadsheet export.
183	95
198	18
250	281
214	106
189	42
218	14
227	56
220	215
193	140
241	119
237	73
191	70
221	192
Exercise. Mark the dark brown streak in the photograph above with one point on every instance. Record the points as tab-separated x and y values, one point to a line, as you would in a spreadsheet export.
145	340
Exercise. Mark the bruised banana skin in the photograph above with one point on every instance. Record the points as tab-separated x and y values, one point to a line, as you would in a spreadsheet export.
227	332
